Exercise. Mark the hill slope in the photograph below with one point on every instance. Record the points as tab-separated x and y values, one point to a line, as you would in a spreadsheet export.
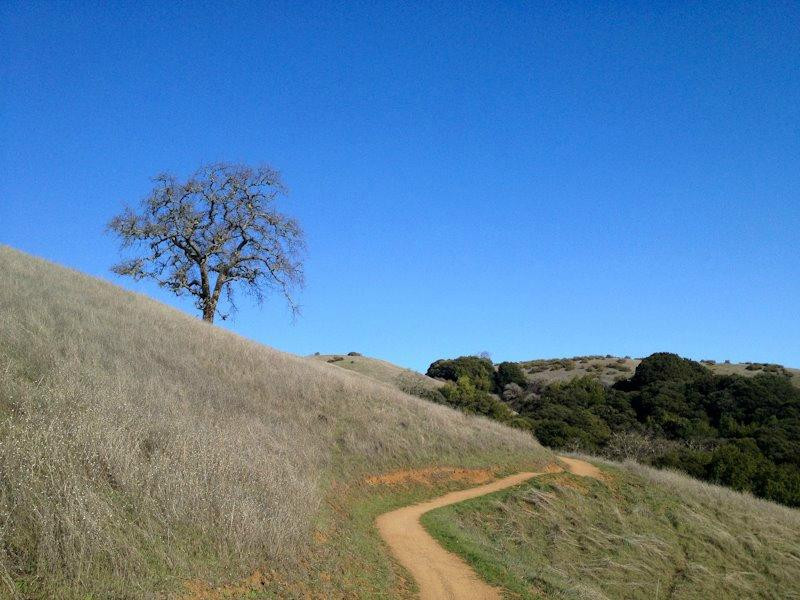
380	370
140	447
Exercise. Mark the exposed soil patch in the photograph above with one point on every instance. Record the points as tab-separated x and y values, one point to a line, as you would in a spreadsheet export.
200	590
431	475
581	467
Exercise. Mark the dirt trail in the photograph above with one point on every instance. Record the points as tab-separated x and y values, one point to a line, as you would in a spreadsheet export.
440	574
581	467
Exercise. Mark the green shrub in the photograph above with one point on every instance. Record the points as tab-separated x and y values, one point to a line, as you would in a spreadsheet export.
466	396
666	366
479	370
693	462
509	372
738	465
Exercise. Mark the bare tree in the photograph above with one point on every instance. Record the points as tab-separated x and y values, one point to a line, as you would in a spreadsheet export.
215	231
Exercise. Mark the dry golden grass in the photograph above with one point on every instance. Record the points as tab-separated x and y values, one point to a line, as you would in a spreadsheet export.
380	370
140	446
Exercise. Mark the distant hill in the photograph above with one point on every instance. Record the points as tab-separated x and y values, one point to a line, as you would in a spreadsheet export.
609	369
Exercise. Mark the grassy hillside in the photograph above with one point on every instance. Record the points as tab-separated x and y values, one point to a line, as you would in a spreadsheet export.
141	448
640	533
609	369
380	370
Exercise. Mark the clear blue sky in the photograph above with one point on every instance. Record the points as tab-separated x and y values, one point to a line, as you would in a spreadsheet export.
531	179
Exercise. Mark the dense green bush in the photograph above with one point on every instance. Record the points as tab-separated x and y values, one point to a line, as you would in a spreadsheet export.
743	432
564	416
479	370
509	372
466	396
666	366
681	458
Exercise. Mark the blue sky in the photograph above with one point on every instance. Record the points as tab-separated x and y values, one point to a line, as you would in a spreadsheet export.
530	179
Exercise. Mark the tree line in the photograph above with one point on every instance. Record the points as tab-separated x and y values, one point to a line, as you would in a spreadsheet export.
742	432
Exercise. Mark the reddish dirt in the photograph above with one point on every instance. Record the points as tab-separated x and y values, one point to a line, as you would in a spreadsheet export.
200	590
431	475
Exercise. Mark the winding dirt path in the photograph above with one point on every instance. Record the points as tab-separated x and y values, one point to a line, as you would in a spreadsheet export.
440	574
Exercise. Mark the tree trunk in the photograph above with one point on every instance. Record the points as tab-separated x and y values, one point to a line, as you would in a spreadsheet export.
210	304
209	310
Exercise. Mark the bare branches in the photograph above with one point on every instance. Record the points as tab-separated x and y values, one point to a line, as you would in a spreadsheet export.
216	230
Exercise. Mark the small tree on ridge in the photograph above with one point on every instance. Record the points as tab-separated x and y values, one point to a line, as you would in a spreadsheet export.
216	230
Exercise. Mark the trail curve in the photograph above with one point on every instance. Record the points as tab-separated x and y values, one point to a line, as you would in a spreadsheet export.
441	575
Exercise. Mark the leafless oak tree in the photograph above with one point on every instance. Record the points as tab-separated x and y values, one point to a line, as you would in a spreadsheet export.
216	231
